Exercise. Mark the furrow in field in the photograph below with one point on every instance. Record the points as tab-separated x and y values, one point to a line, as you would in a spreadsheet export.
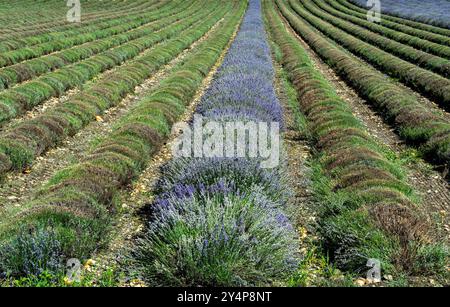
410	36
433	13
21	187
55	13
12	57
142	191
40	33
360	185
36	14
431	186
213	202
438	64
21	17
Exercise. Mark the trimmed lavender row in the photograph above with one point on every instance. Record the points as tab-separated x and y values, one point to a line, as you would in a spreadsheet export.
243	88
220	221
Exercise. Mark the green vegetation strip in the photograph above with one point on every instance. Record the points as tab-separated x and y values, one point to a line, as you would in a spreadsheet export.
70	217
21	18
419	79
39	32
18	73
114	27
391	20
410	38
434	63
416	123
23	97
20	145
366	208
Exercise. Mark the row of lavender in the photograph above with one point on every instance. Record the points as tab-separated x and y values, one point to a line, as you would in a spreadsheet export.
221	221
434	12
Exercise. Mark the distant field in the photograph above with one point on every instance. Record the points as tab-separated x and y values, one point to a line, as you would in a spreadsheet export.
435	12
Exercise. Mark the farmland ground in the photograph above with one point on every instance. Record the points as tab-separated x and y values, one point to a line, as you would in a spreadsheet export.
87	167
429	183
400	108
141	192
207	54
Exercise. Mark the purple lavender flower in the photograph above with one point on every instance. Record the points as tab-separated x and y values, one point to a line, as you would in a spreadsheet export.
221	221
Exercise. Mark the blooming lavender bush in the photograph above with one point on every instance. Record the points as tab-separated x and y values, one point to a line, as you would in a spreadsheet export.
221	221
33	253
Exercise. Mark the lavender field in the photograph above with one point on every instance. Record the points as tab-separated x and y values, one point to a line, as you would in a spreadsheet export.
193	146
435	12
231	208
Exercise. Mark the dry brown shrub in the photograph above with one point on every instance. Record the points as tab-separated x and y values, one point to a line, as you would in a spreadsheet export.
405	223
143	132
53	126
23	72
